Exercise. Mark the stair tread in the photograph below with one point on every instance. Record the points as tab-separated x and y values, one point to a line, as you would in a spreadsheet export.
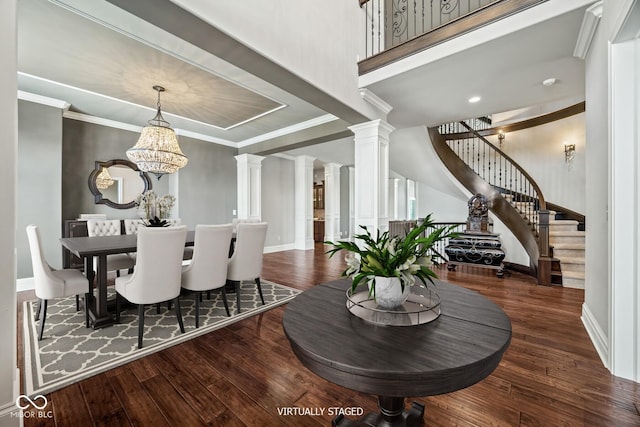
570	233
563	222
572	260
569	245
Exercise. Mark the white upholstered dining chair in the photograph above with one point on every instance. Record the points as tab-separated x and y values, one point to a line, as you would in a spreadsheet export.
157	275
246	261
131	227
115	262
51	283
208	268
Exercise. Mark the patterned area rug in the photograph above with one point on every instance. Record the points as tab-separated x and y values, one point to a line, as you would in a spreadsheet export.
70	352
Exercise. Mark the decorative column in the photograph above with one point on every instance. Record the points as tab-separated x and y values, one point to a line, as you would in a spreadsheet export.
249	186
332	201
372	175
352	203
303	203
393	198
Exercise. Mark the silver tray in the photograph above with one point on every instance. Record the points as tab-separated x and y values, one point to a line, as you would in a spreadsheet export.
422	306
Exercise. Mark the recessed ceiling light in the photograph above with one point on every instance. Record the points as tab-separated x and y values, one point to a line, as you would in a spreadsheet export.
549	82
474	99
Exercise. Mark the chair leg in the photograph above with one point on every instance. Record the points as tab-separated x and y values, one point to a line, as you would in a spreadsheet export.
224	300
158	308
38	309
140	324
179	314
237	283
257	279
118	307
77	302
198	297
86	310
43	316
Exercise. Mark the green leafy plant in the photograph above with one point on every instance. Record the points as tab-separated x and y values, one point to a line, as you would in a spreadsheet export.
406	258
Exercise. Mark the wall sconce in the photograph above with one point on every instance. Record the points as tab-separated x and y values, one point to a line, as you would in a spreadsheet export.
569	152
501	137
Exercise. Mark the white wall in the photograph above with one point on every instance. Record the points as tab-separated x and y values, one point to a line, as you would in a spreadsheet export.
8	141
540	151
300	37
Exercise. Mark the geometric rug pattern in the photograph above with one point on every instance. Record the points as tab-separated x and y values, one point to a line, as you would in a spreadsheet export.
70	352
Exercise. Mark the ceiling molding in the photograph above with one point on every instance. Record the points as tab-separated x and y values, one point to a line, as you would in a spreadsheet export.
375	100
288	130
100	121
589	25
207	138
44	100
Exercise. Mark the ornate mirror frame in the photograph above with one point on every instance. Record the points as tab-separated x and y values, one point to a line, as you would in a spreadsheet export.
99	198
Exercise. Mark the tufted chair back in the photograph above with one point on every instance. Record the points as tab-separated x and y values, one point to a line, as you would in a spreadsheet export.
109	227
131	226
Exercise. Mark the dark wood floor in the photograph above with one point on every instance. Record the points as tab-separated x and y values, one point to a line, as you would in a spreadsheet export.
242	374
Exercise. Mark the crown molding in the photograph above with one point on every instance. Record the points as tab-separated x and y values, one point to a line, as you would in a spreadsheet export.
73	115
44	100
375	100
589	25
288	130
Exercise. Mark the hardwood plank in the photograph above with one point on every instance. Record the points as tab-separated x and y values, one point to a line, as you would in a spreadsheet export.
139	406
104	406
550	375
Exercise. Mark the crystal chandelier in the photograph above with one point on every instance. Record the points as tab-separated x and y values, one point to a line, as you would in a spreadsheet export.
104	180
157	150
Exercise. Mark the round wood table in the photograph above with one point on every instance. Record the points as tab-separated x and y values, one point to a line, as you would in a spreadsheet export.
461	347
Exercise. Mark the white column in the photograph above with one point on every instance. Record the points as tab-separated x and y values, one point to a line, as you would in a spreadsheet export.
332	201
352	203
372	175
303	208
9	375
249	186
393	198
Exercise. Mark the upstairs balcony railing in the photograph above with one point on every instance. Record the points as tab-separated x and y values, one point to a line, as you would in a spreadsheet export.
408	26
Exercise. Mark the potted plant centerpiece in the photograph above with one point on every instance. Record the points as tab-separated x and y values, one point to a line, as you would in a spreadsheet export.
389	265
154	209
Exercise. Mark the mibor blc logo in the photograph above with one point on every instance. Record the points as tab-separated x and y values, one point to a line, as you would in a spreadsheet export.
38	402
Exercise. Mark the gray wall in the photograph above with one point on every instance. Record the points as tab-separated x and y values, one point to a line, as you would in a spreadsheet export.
207	186
278	200
38	185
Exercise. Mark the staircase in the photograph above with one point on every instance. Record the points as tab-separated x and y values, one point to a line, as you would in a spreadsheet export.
554	245
568	245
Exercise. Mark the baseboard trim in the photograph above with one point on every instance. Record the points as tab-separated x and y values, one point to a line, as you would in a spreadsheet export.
279	248
25	284
596	334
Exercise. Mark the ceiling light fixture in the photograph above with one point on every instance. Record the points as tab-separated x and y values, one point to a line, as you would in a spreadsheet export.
157	150
474	99
104	180
549	82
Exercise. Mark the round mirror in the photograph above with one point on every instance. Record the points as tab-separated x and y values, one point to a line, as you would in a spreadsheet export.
117	183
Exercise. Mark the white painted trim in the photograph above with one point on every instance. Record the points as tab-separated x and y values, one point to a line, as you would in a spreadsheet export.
100	121
278	248
206	138
26	284
44	100
596	334
283	156
288	130
589	24
375	100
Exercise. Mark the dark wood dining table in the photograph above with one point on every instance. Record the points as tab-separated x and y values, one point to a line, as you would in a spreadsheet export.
458	349
101	246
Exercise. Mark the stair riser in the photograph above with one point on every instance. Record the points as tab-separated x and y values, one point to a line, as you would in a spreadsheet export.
561	227
570	266
570	282
556	240
568	253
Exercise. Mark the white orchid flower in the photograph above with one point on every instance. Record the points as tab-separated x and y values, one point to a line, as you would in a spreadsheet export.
353	263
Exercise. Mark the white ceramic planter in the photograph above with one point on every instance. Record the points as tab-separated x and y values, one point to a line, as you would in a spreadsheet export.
389	293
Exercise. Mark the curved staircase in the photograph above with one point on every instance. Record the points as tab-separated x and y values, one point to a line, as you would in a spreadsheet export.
555	246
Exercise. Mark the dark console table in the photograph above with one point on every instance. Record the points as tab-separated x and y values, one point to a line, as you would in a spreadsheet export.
463	346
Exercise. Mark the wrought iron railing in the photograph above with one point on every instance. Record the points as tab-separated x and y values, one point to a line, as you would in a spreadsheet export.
390	23
509	179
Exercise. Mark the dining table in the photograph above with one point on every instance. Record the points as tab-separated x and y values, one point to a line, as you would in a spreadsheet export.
88	247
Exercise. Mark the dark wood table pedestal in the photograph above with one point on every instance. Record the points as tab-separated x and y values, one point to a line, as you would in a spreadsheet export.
392	414
461	347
